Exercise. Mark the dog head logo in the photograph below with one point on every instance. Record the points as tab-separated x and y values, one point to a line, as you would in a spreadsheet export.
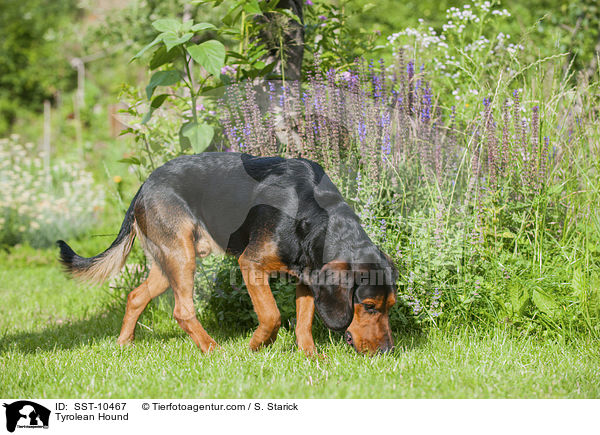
26	414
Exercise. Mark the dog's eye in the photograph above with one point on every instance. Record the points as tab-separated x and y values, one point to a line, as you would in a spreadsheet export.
369	307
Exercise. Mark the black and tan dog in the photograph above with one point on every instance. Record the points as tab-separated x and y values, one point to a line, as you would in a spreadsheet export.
275	215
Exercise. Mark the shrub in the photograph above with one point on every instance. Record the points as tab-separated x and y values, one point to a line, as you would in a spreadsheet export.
470	209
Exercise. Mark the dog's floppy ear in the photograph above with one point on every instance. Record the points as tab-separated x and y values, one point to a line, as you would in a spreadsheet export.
334	292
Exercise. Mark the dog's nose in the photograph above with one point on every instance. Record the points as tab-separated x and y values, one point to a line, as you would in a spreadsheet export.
349	340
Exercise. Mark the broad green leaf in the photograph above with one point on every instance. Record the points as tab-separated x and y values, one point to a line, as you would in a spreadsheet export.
158	39
202	26
546	304
195	135
267	69
210	55
252	7
162	78
167	25
158	100
172	40
162	56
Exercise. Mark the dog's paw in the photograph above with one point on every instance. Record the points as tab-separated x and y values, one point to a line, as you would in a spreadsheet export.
125	342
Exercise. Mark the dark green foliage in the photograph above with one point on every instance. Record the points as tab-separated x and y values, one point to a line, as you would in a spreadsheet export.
33	62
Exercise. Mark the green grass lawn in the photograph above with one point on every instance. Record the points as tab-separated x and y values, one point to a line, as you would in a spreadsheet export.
57	340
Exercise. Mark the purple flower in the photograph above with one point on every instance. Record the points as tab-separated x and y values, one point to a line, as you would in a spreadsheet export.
308	3
322	17
229	69
346	76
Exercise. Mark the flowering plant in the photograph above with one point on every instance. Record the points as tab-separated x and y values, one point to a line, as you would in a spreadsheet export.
468	57
40	204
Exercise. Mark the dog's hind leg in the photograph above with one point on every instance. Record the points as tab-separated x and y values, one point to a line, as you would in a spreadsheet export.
180	267
154	285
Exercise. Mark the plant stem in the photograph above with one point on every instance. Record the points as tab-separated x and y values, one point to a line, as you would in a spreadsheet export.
190	86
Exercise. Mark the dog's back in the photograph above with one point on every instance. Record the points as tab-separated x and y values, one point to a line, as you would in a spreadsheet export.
223	193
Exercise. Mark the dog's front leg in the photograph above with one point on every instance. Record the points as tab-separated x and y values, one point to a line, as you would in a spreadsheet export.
305	310
269	318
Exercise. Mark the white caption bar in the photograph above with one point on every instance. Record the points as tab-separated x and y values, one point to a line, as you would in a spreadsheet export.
248	416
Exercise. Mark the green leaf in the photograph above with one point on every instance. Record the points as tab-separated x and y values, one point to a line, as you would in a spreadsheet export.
130	161
195	135
289	14
155	104
252	7
236	55
232	15
158	39
158	100
172	40
162	78
203	26
546	304
519	298
155	146
167	25
578	283
162	56
267	69
210	55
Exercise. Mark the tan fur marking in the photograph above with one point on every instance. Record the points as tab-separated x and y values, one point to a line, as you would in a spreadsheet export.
305	310
154	285
371	330
108	265
256	263
180	267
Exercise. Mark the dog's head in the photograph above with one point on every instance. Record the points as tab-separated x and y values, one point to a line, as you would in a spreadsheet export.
357	298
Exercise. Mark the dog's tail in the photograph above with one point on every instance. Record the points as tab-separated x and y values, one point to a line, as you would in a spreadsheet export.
101	267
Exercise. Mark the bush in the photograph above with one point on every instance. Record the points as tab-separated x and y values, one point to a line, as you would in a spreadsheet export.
39	206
